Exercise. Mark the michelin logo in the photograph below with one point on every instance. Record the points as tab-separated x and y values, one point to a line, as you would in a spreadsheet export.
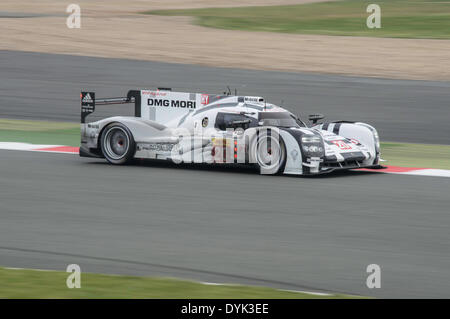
171	103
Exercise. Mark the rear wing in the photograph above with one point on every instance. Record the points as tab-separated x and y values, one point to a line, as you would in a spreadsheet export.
161	105
88	102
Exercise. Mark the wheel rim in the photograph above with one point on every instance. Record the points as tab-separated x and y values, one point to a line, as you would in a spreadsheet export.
269	152
116	143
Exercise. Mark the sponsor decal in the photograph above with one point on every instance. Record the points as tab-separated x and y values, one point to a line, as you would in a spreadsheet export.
205	122
160	147
171	103
87	98
342	145
218	141
253	99
154	93
205	99
314	160
87	104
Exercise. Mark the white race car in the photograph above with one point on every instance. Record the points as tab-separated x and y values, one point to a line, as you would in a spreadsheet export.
225	129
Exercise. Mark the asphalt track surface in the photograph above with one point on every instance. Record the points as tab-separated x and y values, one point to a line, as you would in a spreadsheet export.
47	86
226	225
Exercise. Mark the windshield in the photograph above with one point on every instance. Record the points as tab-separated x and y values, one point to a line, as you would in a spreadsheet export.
279	119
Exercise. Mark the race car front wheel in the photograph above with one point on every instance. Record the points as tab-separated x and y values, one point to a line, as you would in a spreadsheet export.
270	154
117	144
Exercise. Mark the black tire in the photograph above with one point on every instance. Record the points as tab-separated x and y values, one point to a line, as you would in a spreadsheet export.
271	159
117	143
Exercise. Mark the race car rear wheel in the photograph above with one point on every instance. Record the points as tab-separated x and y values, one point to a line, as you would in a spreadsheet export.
117	144
270	154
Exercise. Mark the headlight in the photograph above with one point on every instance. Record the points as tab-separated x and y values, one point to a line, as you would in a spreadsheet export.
311	139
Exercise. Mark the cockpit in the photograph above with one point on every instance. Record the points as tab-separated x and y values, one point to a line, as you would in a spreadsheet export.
243	120
279	119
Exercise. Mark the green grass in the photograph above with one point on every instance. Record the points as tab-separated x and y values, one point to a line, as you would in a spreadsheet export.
399	18
37	132
40	132
21	283
416	155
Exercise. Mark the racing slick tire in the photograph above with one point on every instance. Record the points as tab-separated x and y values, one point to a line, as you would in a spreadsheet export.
269	153
117	143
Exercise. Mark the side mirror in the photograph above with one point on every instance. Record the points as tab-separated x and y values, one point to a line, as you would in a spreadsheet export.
315	117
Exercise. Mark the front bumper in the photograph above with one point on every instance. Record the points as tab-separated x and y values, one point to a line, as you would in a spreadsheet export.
350	160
